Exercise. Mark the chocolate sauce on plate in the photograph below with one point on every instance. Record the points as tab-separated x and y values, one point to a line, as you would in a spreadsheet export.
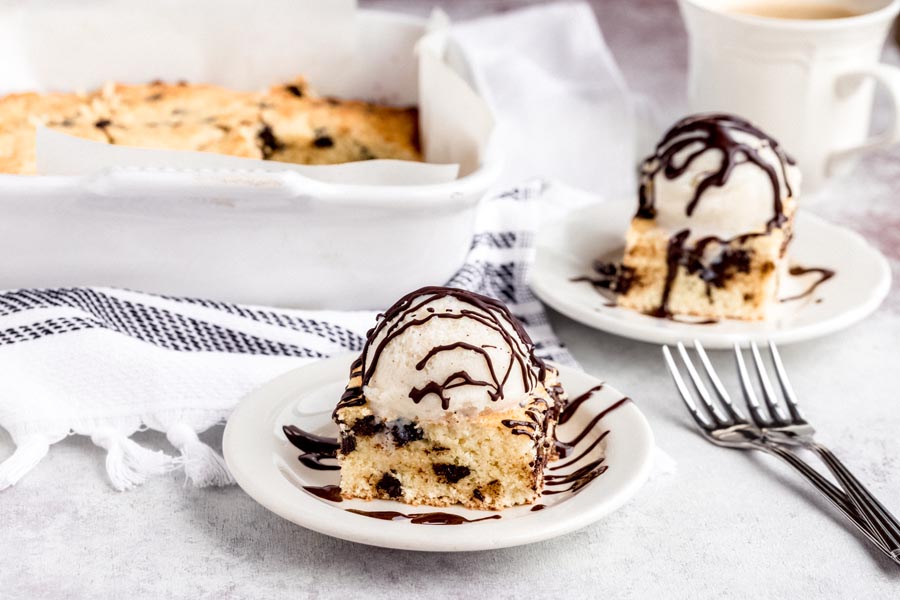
583	474
590	426
824	275
429	518
578	478
332	493
311	442
315	448
314	461
573	405
586	451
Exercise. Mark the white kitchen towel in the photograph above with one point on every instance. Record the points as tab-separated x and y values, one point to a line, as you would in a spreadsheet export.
106	363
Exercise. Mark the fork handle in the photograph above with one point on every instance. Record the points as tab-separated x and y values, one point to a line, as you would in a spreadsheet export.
833	494
880	519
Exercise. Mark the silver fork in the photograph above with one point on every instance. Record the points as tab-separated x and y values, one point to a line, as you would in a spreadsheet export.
723	424
791	428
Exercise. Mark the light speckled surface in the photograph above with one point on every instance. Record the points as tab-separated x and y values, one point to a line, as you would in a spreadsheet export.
728	525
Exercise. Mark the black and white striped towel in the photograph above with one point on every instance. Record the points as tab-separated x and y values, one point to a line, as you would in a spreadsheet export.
106	363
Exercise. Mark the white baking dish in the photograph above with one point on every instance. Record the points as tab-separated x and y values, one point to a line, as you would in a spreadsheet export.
249	236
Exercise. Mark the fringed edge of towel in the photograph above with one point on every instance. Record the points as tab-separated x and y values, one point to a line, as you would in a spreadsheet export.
203	466
128	464
30	450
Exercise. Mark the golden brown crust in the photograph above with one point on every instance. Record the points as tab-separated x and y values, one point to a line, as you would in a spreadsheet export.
313	130
286	123
20	114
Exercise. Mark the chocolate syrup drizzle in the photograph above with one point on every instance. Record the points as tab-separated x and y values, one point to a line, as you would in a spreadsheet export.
486	311
824	275
353	395
712	132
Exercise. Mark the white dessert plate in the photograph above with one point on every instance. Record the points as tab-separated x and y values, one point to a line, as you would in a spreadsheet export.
567	249
266	466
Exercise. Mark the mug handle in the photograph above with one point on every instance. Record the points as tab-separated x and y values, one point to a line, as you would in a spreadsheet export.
889	77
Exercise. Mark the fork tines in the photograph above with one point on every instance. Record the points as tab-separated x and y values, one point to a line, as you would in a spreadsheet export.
724	413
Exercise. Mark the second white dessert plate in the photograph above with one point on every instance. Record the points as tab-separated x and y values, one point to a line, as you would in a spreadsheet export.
594	479
567	250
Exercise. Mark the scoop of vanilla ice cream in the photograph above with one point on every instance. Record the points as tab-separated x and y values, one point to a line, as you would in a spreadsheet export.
744	204
445	346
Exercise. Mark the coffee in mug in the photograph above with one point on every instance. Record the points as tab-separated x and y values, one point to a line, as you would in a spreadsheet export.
794	10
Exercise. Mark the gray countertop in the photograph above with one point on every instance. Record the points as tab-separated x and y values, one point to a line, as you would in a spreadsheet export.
725	525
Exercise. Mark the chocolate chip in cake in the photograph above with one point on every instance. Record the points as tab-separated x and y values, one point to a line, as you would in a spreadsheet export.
367	426
322	139
102	125
478	495
268	142
404	432
450	473
295	90
154	97
365	153
348	443
390	485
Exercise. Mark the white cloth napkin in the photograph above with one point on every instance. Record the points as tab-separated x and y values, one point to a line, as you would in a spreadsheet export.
106	363
563	109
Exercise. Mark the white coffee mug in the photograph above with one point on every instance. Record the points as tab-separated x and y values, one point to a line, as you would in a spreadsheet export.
809	83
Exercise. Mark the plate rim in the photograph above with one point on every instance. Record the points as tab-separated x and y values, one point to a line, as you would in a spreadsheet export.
266	400
663	333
